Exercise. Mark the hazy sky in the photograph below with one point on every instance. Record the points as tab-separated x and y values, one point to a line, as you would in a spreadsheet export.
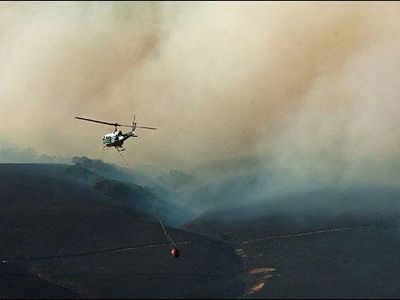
308	88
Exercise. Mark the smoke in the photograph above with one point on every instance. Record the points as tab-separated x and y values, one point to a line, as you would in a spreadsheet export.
309	89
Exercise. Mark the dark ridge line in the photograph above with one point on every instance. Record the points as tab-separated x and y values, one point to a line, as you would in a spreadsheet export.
130	274
307	233
27	275
104	251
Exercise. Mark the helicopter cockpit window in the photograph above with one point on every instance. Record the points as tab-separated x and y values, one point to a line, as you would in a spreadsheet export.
107	139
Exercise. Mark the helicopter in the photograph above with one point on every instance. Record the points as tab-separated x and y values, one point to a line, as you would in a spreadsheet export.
117	138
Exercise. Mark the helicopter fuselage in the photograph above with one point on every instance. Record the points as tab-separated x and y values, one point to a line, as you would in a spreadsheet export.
117	138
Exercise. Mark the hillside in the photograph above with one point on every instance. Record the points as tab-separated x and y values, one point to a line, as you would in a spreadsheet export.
60	237
330	243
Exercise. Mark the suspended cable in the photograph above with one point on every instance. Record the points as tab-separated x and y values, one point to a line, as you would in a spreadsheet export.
174	250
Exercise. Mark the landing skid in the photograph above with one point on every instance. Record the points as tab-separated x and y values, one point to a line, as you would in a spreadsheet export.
119	149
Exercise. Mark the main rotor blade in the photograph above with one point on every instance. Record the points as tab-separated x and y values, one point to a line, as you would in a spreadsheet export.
113	124
97	121
145	127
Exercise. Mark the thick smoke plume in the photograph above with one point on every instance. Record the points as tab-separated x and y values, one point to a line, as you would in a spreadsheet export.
310	89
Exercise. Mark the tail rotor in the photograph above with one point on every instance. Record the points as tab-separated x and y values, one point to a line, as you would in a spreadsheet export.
134	124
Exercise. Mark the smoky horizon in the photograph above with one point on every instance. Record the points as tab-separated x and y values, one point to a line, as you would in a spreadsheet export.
310	89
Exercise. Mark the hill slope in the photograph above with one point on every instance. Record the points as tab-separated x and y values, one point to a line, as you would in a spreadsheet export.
331	243
61	238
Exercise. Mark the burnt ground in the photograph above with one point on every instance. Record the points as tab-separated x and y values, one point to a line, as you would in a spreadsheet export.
61	239
359	262
70	234
346	248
